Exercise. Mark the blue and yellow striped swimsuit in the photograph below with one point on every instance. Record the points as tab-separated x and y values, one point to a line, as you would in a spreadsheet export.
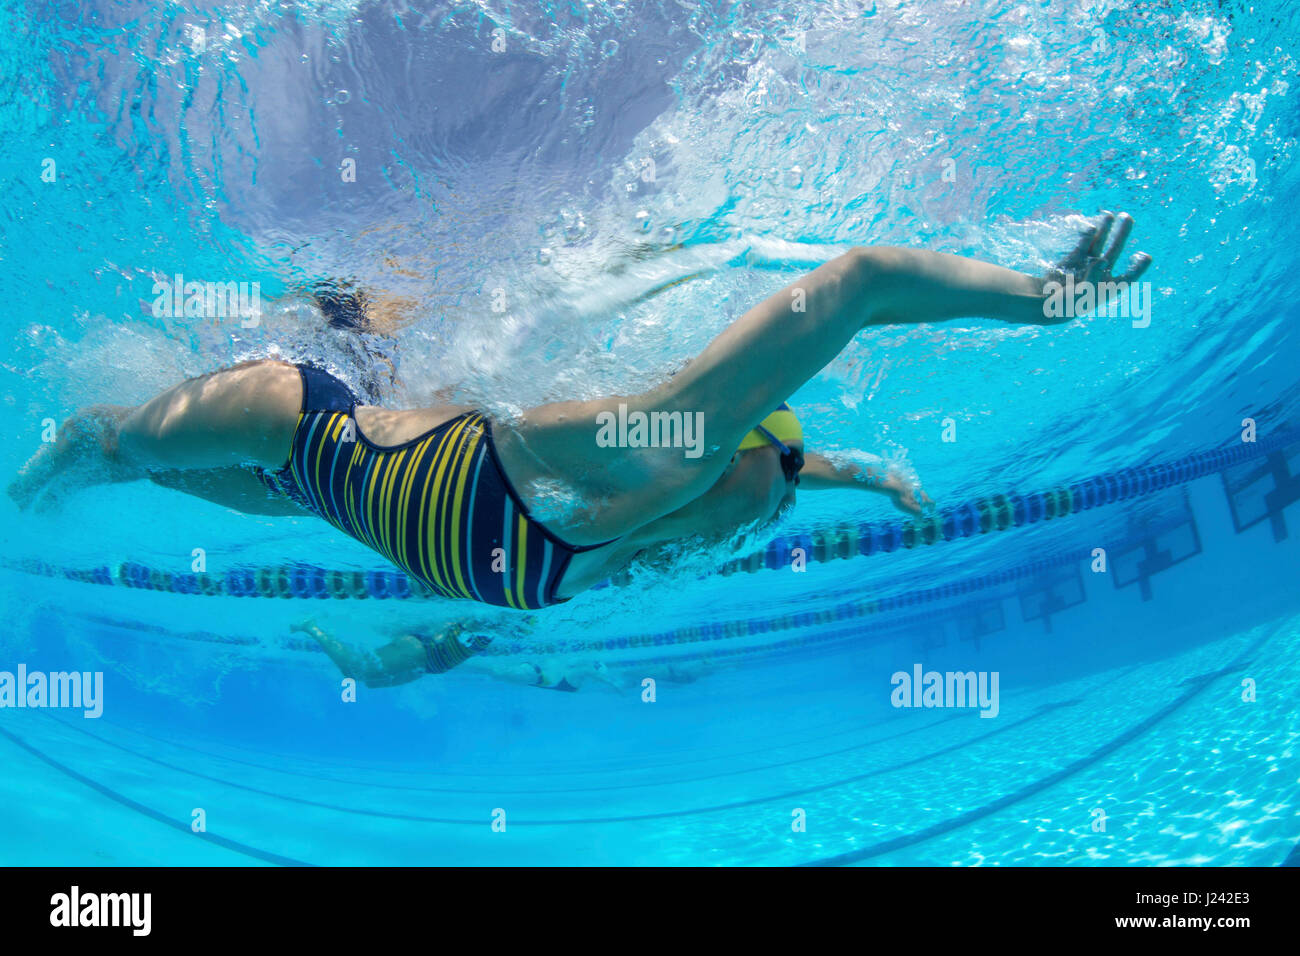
438	506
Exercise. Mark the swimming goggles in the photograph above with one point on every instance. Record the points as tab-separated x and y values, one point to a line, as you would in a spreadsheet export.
791	458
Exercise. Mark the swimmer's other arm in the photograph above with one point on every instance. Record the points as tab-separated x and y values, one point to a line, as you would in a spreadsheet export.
821	474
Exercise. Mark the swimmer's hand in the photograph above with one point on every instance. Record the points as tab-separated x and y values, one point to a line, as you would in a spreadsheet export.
909	499
821	473
306	626
1092	260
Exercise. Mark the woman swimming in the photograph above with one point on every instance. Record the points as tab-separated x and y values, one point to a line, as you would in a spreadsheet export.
407	657
413	654
447	494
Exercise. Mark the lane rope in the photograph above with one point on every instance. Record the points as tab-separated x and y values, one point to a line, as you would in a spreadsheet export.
986	515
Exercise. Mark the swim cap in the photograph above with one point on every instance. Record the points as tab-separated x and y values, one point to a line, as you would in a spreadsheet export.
782	423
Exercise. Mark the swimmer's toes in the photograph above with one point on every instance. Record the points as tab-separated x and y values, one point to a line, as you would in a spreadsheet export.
19	494
47	502
35	475
24	489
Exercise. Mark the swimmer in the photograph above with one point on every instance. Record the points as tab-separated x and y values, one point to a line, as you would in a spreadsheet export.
447	493
687	671
410	656
405	658
550	673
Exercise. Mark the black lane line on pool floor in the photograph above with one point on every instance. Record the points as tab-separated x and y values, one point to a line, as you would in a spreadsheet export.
1123	672
543	793
154	815
1196	685
586	821
1040	711
801	742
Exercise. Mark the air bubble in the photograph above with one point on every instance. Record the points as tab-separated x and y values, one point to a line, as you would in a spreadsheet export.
608	48
574	225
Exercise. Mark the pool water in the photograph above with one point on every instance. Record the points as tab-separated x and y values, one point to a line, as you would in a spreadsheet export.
629	179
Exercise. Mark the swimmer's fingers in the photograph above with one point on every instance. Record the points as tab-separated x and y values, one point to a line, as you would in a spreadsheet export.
1084	257
1137	265
1099	234
1074	260
924	503
914	502
1094	257
1123	226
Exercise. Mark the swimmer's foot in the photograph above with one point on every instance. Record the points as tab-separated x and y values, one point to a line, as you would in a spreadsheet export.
35	475
83	453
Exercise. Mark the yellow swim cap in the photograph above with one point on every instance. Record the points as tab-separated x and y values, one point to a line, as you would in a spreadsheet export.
782	423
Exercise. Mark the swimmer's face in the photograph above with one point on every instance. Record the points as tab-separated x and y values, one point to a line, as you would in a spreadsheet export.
787	487
753	488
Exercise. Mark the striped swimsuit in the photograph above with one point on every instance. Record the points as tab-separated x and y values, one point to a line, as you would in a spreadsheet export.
438	506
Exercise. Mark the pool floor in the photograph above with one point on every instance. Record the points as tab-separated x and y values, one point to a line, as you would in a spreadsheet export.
1183	770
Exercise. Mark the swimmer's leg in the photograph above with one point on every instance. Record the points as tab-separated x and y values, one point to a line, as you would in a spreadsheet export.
760	360
242	415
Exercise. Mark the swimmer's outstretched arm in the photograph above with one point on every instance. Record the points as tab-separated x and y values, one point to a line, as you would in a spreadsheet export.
821	474
774	348
765	356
